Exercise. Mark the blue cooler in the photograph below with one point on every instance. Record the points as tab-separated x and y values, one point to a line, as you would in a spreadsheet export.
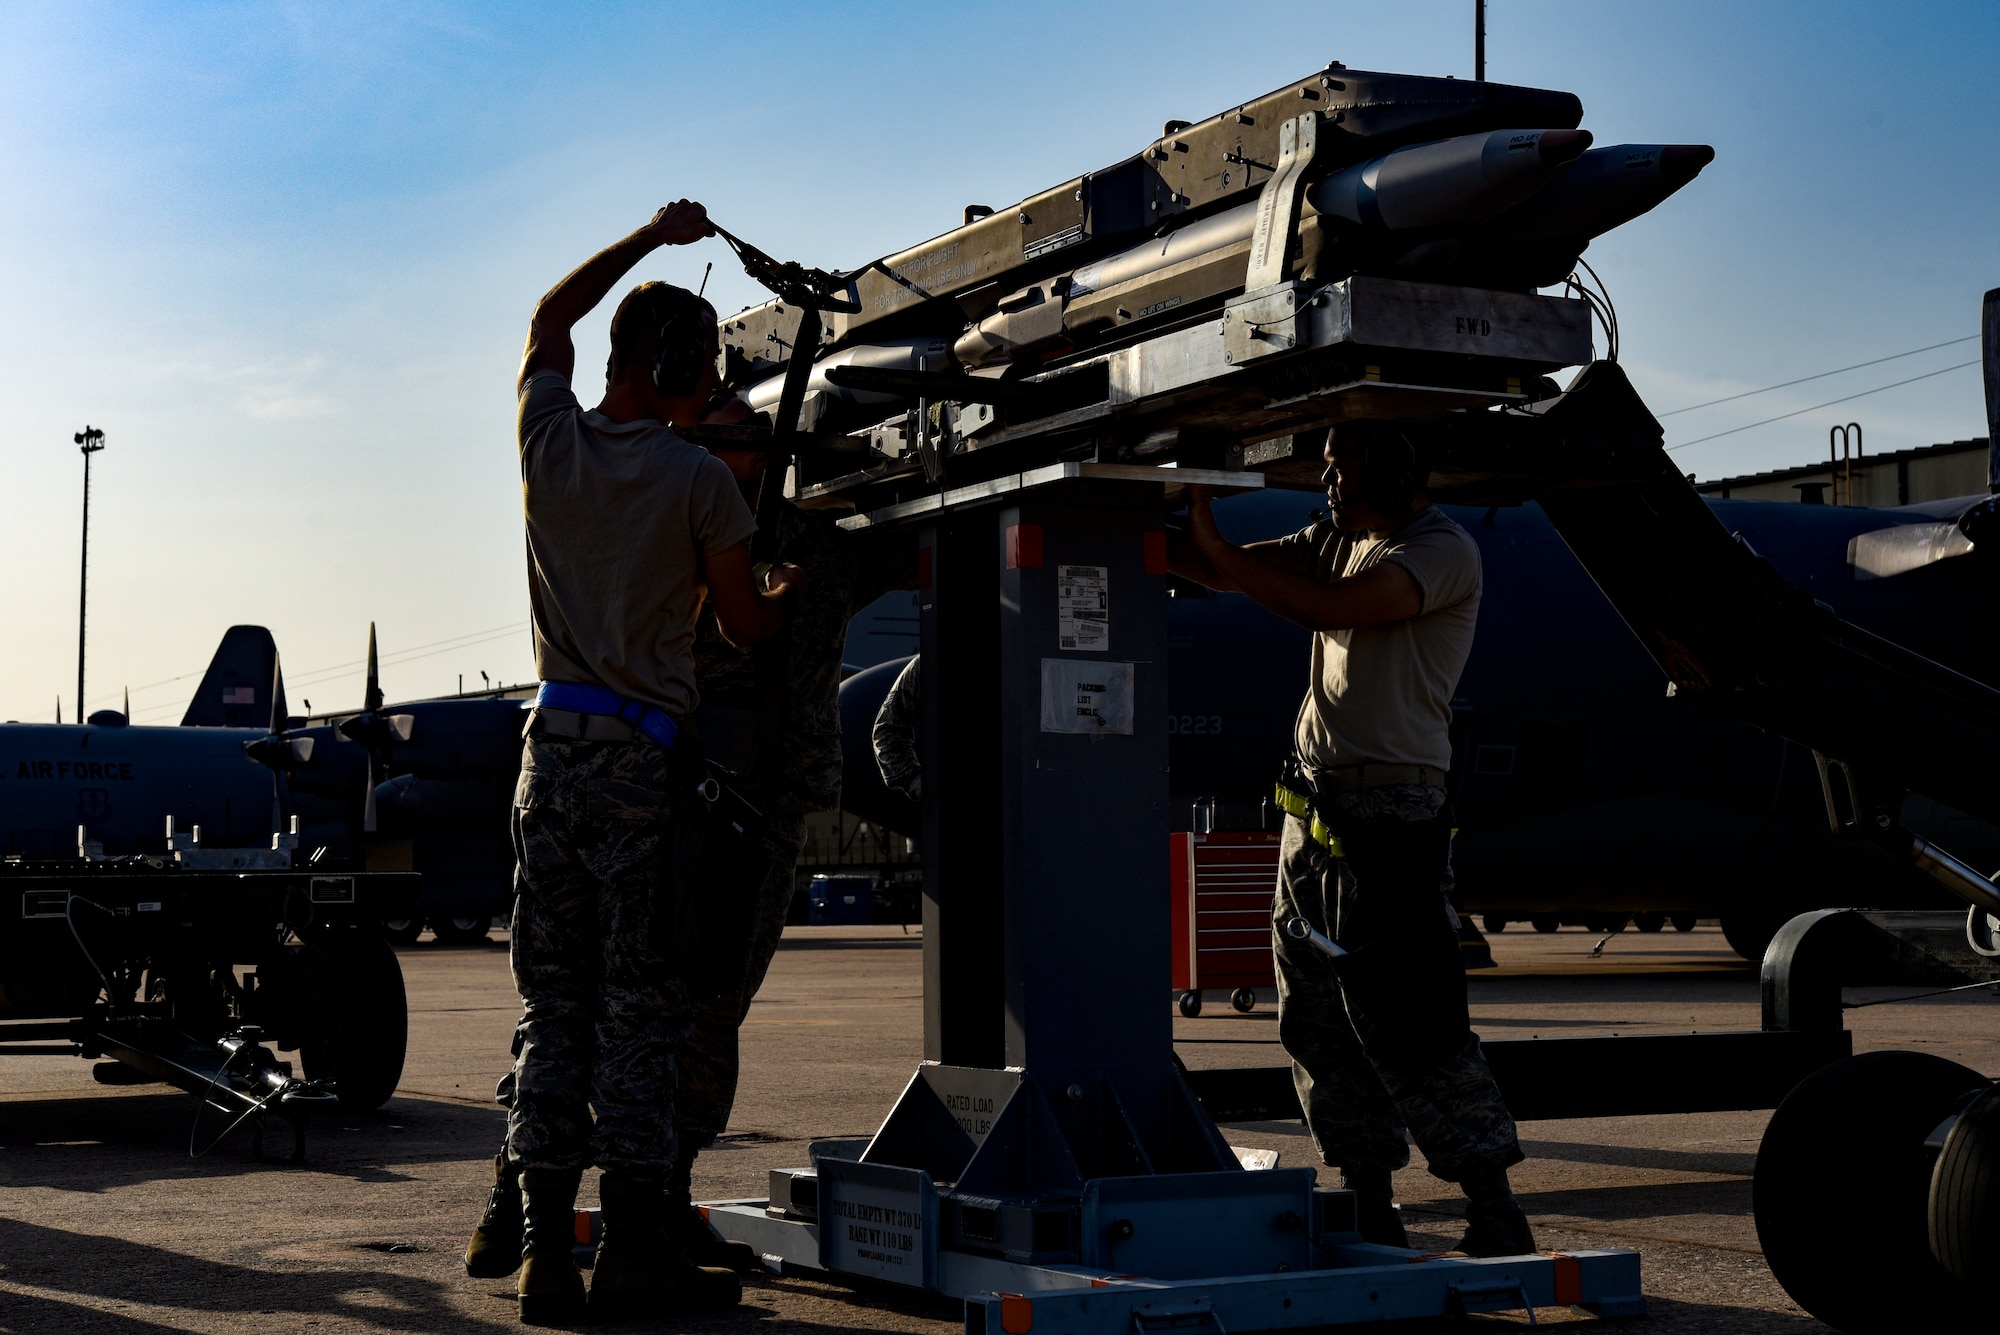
840	899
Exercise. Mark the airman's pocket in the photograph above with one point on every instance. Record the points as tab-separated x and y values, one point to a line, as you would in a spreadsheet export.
534	789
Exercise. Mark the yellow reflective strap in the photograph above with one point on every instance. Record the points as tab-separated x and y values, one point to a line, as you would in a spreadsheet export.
1294	804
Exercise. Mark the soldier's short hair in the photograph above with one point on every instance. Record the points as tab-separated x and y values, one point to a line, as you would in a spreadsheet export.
659	317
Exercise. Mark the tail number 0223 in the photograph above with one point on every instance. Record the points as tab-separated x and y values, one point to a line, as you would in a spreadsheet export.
1194	725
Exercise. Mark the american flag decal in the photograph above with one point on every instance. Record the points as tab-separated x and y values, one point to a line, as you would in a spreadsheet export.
240	695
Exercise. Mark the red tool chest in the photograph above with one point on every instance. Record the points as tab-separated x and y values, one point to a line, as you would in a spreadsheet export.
1222	885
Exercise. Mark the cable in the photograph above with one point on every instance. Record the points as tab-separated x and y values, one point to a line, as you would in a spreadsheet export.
1817	406
1610	307
1894	356
1917	996
69	916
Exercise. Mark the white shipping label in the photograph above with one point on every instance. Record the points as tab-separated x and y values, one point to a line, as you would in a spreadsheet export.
1083	600
1086	697
878	1221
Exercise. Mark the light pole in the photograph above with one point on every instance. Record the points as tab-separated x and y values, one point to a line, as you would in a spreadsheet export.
90	440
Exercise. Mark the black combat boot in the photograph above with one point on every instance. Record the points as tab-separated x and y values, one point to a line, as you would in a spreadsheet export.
495	1249
1494	1223
686	1226
640	1270
551	1287
1375	1209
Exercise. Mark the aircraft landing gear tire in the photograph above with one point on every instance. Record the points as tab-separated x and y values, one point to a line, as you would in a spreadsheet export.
362	1027
1244	1000
1749	934
1683	922
1842	1191
402	931
1495	924
462	929
1545	923
1965	1193
1649	922
1190	1004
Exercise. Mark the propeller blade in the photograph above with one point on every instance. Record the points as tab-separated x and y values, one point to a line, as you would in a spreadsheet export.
275	735
368	799
372	700
401	726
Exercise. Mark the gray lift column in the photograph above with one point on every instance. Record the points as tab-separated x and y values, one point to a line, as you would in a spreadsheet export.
1047	1038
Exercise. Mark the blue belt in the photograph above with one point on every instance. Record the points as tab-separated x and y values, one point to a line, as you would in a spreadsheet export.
577	699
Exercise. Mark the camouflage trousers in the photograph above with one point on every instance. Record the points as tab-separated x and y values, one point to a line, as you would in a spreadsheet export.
597	844
1381	1040
760	879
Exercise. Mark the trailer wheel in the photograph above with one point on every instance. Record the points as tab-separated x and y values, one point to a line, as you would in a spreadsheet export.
1842	1188
1683	922
1649	922
1965	1193
1244	1000
462	929
363	1021
1545	923
402	931
1190	1004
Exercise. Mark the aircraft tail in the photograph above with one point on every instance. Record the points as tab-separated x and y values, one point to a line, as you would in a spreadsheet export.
237	689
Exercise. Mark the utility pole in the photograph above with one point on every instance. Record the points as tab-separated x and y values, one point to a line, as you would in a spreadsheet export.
1479	40
89	440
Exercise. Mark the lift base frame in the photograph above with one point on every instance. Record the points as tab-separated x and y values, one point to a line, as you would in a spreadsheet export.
1349	1283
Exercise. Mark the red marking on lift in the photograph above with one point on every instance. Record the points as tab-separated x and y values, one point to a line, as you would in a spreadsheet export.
1017	1314
1569	1279
1156	553
1024	546
923	567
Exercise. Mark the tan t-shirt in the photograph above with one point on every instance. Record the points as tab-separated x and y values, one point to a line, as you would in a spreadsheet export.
1382	694
621	516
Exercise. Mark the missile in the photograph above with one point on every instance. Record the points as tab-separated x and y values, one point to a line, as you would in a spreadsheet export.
1449	183
1605	188
1536	244
910	354
1458	181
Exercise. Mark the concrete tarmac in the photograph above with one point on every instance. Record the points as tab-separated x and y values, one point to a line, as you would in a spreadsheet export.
108	1225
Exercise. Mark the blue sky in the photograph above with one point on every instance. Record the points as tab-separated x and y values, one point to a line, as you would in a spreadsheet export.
284	254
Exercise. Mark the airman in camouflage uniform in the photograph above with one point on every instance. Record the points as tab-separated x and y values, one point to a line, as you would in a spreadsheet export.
1380	1037
845	571
744	881
630	530
597	841
895	735
1382	1040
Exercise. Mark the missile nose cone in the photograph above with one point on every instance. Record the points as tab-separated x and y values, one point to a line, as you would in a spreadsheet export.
1558	147
1681	163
